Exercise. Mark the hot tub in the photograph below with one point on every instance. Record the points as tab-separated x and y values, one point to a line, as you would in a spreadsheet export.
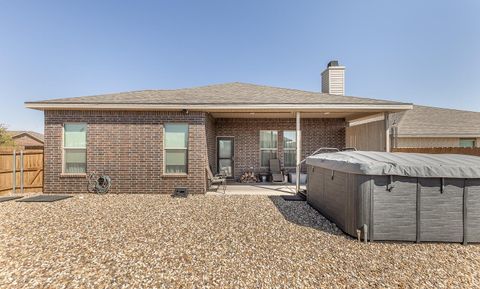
398	196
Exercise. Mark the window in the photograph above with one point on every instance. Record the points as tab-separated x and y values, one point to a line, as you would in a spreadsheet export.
176	148
268	146
75	148
467	143
290	148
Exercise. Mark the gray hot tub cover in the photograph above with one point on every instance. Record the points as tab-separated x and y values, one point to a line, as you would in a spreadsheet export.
399	164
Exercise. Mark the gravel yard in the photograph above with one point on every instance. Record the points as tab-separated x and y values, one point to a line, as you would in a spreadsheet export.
148	241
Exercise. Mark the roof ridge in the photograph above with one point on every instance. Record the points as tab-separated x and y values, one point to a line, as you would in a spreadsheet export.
291	89
446	108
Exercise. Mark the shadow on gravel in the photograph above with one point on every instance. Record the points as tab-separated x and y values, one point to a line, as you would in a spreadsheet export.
300	213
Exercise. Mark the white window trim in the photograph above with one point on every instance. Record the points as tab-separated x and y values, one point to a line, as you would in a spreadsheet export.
265	149
288	149
179	148
74	148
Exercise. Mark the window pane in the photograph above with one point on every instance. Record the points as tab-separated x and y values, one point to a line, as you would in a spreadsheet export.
268	139
467	143
75	160
290	158
289	139
176	135
225	148
225	165
175	161
266	155
75	135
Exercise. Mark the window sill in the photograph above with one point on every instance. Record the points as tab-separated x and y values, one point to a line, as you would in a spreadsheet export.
174	175
79	175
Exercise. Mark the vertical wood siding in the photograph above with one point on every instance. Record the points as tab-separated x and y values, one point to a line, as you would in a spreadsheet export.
367	137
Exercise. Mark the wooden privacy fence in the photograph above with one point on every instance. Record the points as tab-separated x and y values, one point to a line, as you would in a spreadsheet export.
440	150
21	171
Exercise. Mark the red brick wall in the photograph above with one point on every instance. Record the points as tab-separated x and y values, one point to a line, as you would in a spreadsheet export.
317	133
127	146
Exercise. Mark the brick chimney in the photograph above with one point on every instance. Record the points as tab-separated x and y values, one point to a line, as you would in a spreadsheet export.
333	79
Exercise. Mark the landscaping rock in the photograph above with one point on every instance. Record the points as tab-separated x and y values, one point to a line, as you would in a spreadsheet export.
156	241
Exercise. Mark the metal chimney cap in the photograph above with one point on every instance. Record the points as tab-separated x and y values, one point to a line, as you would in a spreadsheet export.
333	63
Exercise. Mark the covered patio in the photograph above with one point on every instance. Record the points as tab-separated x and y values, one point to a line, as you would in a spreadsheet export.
240	143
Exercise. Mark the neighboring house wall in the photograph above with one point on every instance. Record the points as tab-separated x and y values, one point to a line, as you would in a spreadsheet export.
127	146
367	137
316	133
27	141
419	142
428	142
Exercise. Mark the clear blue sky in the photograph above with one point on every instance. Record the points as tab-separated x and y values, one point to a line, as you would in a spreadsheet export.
426	52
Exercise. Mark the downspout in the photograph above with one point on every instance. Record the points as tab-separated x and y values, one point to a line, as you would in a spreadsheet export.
299	152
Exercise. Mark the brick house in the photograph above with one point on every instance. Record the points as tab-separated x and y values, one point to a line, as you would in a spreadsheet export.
155	140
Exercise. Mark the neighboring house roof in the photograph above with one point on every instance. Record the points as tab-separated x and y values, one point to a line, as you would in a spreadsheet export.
228	95
32	134
425	121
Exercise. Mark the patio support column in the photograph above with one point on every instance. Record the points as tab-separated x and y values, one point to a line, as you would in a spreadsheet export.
387	132
299	151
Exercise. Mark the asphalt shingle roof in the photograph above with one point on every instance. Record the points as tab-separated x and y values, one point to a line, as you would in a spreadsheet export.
36	135
227	93
431	121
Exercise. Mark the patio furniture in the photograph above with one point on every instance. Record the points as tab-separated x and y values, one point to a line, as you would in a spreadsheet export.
263	177
219	179
293	178
276	172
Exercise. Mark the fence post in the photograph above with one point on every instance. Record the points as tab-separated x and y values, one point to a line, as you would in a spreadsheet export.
21	171
14	170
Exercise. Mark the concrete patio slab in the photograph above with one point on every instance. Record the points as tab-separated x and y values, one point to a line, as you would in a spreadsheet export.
256	189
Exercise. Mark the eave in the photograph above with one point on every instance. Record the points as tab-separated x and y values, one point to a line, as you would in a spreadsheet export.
219	107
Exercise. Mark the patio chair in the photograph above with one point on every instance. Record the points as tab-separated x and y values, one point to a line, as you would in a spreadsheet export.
277	174
218	179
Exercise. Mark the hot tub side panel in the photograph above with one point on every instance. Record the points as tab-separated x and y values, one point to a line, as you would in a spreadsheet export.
315	188
394	209
335	195
473	210
441	212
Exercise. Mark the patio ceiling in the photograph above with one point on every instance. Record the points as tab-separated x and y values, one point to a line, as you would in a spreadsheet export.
326	114
278	115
